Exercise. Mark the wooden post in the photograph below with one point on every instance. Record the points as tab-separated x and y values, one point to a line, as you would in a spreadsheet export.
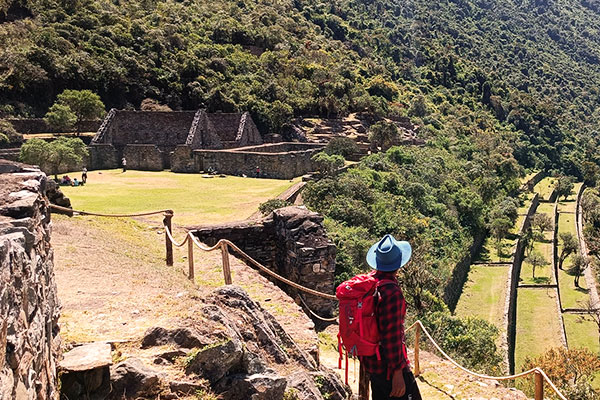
190	258
539	386
363	383
168	245
417	340
226	269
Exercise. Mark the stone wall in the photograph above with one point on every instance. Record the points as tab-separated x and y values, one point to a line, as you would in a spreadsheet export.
256	238
510	311
164	129
29	308
145	157
103	156
291	242
454	287
279	161
38	125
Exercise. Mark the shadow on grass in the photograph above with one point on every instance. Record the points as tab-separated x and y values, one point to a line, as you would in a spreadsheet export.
541	280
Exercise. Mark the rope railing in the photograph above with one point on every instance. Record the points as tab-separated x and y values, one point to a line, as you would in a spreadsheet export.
224	244
78	212
539	374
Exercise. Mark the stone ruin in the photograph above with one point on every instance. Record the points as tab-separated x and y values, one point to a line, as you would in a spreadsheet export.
29	310
195	141
293	243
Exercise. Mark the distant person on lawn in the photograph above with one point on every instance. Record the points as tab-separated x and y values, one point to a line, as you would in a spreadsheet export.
84	175
124	164
391	377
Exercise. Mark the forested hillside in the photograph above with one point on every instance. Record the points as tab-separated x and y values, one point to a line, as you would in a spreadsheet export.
528	68
496	87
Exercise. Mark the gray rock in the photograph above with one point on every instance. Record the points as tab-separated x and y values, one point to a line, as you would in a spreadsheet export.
185	387
215	361
183	337
252	387
132	379
87	357
330	385
304	386
248	321
168	357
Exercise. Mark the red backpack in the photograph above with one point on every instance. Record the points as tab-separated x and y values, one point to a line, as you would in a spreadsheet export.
358	332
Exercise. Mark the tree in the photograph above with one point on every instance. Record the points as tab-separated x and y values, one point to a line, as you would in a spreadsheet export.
149	104
8	135
342	146
564	186
60	117
499	227
542	222
571	370
580	263
327	165
83	104
418	106
569	246
536	259
383	134
592	313
56	156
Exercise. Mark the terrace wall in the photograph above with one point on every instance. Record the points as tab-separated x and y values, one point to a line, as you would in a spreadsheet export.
454	287
279	161
510	310
38	125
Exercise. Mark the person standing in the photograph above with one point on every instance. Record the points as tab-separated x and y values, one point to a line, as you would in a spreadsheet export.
390	374
124	164
84	176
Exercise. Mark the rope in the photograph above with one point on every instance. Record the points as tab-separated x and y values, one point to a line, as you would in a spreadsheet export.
332	319
225	242
70	210
482	376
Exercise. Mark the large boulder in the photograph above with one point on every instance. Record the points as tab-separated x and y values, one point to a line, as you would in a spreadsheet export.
258	329
131	379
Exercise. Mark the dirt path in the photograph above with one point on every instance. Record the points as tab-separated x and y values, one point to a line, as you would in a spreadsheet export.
113	282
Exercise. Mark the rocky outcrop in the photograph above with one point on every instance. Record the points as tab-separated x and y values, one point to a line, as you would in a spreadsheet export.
248	356
29	307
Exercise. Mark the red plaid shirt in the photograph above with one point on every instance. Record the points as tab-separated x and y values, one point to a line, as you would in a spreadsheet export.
391	310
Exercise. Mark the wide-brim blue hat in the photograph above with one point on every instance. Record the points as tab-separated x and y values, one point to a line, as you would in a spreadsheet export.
389	254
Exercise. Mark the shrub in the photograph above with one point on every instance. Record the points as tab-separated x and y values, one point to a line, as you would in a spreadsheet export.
342	146
273	204
8	135
327	164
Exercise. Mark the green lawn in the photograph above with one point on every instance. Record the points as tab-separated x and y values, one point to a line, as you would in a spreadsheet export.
489	253
545	187
484	294
194	199
581	333
570	295
538	325
543	275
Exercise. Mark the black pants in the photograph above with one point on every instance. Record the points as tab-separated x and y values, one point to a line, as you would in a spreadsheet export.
381	387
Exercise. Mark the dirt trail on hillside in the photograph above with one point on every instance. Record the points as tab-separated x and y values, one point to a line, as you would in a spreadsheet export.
113	282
